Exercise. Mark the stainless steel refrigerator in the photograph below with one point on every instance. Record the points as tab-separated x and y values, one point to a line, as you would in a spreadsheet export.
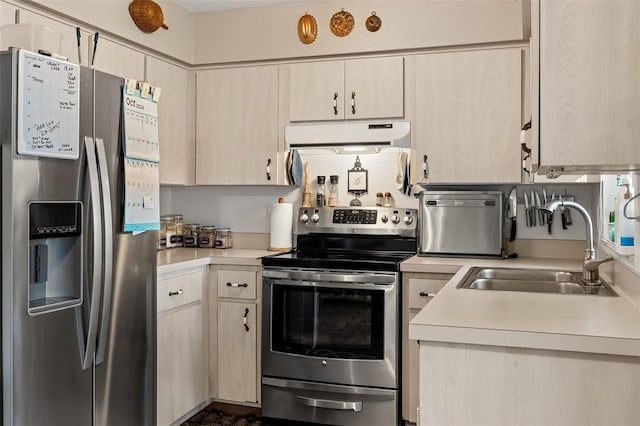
78	294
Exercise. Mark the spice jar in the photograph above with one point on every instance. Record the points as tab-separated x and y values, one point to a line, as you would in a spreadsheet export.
333	191
191	232
171	230
162	235
224	239
379	199
320	196
207	237
388	200
179	222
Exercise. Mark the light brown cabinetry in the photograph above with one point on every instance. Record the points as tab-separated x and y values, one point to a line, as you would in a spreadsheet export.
351	89
467	115
589	86
235	348
237	126
176	110
181	348
418	290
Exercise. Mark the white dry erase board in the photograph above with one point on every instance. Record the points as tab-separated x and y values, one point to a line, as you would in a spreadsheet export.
48	106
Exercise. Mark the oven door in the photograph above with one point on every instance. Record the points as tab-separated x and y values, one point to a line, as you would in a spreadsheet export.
331	327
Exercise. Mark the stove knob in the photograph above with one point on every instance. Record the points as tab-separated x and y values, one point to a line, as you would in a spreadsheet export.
315	218
304	218
395	219
408	220
384	218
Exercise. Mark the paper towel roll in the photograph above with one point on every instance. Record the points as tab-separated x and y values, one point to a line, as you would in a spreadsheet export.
281	225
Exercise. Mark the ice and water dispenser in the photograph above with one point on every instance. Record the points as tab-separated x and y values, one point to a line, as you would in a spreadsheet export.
55	256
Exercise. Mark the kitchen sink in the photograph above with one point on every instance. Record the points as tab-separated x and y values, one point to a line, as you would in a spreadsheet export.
531	280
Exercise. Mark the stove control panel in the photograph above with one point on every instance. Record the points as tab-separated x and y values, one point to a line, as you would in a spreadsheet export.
351	220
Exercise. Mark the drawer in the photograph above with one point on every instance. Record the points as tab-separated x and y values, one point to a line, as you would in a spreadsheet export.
179	290
422	291
237	284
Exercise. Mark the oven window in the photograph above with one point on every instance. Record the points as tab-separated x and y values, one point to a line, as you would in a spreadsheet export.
328	322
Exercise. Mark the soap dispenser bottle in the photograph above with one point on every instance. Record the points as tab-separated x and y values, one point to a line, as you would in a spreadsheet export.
624	226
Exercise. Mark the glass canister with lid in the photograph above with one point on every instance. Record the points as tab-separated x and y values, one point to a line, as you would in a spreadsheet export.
162	235
191	233
224	238
178	219
170	226
207	237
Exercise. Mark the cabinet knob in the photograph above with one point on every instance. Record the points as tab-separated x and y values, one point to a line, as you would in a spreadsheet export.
335	103
423	294
237	285
175	293
244	319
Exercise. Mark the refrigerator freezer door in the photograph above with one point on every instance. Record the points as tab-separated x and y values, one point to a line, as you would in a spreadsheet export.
125	364
43	379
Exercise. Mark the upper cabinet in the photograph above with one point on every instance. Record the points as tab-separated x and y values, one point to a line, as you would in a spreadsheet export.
237	126
351	89
466	114
589	63
176	111
117	59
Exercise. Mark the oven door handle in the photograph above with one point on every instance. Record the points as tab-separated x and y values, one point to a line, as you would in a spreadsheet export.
331	277
330	404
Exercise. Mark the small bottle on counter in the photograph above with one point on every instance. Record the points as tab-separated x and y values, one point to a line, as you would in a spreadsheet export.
379	199
207	237
179	222
224	238
388	200
191	232
162	235
333	191
321	200
171	230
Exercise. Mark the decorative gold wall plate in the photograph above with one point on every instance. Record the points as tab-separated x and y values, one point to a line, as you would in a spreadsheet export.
307	29
341	23
373	23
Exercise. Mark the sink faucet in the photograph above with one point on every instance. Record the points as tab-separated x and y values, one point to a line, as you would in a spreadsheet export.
590	274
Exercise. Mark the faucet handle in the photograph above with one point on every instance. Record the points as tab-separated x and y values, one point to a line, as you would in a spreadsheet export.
592	265
590	273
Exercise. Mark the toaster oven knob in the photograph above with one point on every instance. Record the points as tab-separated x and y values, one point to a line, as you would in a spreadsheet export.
384	218
395	219
304	218
408	220
315	218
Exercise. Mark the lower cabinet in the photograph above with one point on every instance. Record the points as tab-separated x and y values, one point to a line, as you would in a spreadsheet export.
181	344
235	350
418	290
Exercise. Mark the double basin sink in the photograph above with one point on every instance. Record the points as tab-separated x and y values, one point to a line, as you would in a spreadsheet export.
532	280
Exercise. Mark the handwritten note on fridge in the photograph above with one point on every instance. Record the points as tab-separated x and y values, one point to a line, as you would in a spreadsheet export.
48	106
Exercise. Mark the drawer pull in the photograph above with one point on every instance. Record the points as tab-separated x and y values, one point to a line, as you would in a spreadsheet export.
244	319
423	294
175	293
245	285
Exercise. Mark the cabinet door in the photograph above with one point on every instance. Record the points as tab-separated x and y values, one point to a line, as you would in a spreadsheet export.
176	111
237	126
374	88
180	363
237	352
589	85
69	44
468	115
316	91
117	59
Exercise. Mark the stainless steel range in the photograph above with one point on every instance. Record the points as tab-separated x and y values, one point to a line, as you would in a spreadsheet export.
331	317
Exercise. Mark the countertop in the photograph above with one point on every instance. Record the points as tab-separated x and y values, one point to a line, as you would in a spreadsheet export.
180	258
582	323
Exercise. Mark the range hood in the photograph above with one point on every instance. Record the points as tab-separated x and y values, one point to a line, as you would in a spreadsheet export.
349	137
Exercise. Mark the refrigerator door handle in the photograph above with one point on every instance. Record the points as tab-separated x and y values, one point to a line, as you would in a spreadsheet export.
96	281
108	251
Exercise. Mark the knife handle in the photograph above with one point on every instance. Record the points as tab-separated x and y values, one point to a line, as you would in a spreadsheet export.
512	237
